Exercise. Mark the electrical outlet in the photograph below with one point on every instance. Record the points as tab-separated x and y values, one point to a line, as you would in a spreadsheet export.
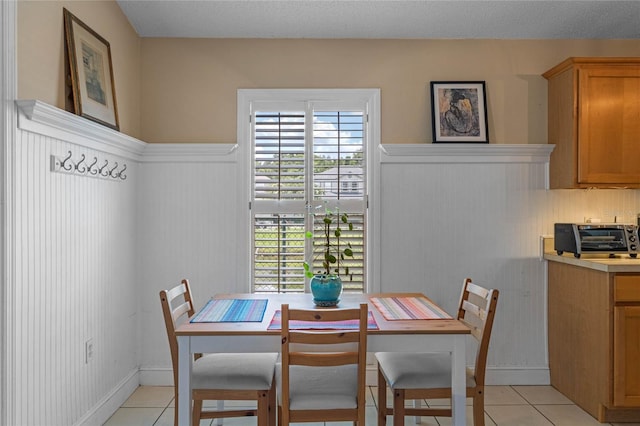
88	351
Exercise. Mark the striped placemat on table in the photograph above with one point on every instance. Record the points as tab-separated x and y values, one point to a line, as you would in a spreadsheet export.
232	310
276	324
408	308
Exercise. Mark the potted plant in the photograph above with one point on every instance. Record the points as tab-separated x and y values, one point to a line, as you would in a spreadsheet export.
326	284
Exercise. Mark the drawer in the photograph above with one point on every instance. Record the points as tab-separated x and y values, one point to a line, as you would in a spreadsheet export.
627	288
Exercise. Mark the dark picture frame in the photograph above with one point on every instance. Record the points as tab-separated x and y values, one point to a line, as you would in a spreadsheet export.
91	71
459	112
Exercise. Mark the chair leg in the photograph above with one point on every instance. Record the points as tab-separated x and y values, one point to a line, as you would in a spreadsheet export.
197	409
478	408
272	404
283	417
175	413
382	399
263	408
279	415
398	407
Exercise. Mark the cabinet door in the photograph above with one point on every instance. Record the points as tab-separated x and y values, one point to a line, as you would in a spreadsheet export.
609	125
626	356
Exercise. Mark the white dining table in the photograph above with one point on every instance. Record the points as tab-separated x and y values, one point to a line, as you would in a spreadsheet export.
431	335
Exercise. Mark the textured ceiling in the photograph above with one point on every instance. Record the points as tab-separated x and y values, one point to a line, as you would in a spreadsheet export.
452	19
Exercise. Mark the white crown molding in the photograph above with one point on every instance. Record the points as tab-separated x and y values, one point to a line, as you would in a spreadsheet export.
190	153
38	117
465	153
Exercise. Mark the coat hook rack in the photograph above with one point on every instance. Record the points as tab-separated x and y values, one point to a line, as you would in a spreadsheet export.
80	167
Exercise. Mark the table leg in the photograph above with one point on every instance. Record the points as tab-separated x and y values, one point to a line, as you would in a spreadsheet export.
184	380
458	381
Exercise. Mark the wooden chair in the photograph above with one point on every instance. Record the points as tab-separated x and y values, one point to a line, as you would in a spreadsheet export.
322	374
220	376
414	376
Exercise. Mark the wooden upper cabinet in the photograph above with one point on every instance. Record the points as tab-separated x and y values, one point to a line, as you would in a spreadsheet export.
594	121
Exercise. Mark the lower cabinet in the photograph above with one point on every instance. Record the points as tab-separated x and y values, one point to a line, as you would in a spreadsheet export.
594	340
626	341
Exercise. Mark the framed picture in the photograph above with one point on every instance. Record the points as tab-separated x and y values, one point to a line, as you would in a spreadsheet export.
93	91
459	112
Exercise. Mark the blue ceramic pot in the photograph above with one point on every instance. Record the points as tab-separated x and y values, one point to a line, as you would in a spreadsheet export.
326	289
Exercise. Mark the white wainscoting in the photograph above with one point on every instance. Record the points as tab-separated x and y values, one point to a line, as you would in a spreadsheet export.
74	269
447	214
187	216
456	215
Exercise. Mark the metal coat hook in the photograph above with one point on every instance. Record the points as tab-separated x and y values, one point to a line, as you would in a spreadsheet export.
79	167
102	168
91	170
121	173
64	165
113	170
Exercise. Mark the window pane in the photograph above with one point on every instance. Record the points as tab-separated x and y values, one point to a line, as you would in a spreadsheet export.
351	268
278	253
338	155
279	156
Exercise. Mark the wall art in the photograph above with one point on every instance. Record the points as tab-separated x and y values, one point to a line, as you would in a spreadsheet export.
459	111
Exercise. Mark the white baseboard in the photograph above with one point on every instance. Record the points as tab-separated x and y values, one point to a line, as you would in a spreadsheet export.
497	376
155	376
104	409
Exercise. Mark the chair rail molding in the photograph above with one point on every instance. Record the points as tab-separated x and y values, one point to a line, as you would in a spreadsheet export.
465	153
41	118
190	153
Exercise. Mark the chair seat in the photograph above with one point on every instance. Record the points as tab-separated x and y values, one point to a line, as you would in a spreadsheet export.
230	371
320	388
418	370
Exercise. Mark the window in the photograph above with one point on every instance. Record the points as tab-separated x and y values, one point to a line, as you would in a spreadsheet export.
306	156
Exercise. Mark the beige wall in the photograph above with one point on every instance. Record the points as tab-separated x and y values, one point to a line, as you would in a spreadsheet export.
184	90
189	89
41	53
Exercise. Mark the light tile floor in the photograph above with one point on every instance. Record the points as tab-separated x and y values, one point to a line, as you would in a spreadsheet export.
504	406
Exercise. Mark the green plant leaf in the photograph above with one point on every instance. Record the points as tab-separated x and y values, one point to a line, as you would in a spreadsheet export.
350	226
308	234
327	220
337	232
348	252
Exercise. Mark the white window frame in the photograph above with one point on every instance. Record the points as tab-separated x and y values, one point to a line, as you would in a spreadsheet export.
247	98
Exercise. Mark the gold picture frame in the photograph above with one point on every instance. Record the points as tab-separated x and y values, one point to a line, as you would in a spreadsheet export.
91	73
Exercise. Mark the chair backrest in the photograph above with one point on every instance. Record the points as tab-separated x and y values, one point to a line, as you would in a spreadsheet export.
331	347
477	310
176	303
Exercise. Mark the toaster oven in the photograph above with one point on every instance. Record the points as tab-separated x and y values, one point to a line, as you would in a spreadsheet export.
595	238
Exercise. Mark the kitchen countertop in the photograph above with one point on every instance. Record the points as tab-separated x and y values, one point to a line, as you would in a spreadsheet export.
619	263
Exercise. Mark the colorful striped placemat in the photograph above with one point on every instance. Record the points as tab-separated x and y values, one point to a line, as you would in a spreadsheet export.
408	308
232	310
276	324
